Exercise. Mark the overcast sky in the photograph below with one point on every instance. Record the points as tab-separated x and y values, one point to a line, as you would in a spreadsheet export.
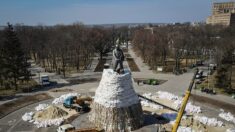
51	12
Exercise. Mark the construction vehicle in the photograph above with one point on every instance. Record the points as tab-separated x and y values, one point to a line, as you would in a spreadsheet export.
208	91
44	80
184	103
80	105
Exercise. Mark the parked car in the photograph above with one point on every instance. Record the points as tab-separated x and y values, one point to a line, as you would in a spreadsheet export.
208	91
44	80
213	66
199	63
198	76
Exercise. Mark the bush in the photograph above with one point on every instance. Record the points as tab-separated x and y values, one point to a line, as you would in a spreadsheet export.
151	82
222	77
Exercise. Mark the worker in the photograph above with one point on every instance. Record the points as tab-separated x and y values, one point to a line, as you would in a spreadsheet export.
118	59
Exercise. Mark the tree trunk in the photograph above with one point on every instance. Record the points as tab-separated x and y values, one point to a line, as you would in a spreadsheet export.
101	55
15	83
63	65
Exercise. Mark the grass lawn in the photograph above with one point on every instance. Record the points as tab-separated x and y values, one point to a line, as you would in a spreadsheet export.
170	64
22	102
21	87
210	81
133	66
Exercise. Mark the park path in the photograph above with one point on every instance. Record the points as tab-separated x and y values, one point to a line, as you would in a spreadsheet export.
175	84
145	71
93	65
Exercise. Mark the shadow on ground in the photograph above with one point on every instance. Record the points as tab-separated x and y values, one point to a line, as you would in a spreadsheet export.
151	119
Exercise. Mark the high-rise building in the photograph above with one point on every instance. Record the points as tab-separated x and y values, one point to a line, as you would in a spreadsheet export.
222	14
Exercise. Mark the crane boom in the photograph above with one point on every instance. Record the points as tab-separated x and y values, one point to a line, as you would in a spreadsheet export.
184	103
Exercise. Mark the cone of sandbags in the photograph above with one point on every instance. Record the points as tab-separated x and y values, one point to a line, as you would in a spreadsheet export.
116	106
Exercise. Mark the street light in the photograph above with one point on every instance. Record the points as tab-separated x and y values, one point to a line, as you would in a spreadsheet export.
38	76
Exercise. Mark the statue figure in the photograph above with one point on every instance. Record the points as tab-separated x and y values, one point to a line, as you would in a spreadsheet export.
118	59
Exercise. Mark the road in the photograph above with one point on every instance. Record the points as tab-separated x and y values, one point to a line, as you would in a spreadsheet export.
14	123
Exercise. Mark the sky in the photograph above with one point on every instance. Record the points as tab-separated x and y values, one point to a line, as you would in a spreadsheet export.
52	12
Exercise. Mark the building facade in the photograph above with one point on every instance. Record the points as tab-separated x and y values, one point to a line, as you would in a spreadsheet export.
222	14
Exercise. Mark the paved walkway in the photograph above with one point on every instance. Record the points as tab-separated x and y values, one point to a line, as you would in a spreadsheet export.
175	84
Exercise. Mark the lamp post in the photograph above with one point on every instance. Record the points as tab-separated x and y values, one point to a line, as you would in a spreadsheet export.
39	76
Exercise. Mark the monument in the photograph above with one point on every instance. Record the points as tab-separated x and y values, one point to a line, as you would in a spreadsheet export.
118	57
116	106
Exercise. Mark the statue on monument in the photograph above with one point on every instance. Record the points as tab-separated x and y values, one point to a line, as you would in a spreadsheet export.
118	59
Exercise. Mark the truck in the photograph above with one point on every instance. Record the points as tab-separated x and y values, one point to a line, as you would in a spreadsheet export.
44	80
78	104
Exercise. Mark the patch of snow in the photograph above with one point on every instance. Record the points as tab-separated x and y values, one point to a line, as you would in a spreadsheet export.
151	105
28	116
48	123
192	108
61	99
209	121
150	96
177	102
41	107
166	95
230	130
185	129
172	122
227	116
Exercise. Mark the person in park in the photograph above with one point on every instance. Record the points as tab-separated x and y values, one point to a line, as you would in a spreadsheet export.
118	59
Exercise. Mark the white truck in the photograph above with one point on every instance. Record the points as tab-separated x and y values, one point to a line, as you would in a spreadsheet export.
44	80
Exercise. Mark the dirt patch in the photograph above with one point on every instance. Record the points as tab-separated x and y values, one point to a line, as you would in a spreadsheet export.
62	90
52	112
132	65
215	103
14	105
141	80
83	80
100	65
127	56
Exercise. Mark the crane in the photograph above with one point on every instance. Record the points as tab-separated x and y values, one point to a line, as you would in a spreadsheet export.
184	103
